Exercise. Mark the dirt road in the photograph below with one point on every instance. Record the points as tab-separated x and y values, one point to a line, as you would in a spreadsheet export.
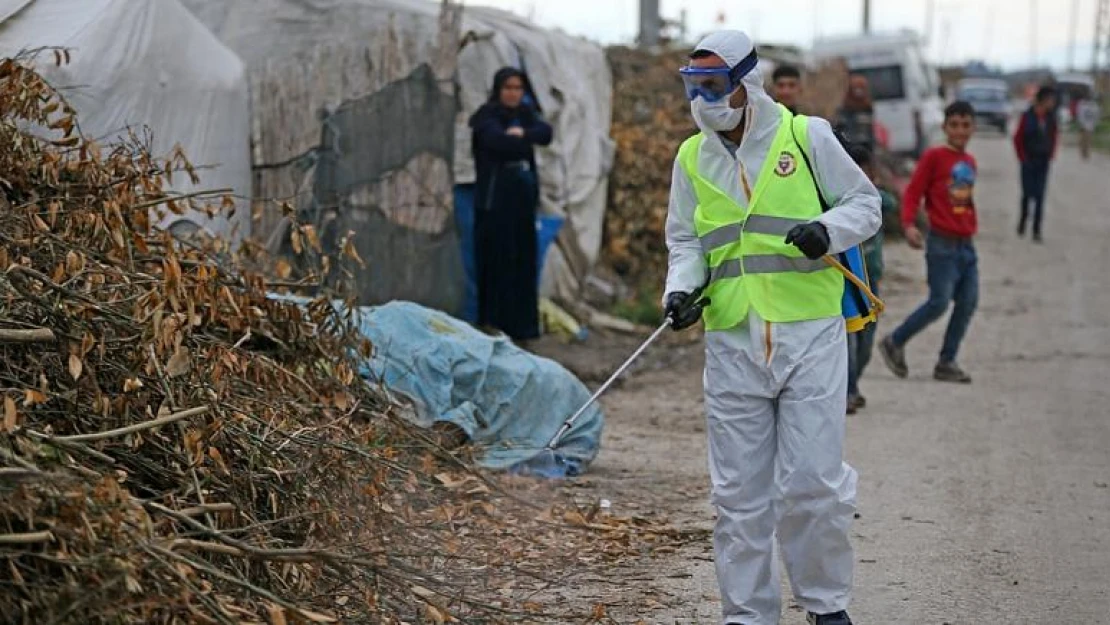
980	504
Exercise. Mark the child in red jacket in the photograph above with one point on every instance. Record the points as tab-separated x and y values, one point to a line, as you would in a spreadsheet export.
945	180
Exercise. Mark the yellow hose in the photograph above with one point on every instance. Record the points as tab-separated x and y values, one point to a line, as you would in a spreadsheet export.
851	277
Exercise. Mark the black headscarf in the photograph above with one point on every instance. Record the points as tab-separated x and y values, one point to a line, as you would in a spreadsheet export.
493	103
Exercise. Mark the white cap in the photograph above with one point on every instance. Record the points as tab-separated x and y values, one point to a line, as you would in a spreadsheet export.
731	45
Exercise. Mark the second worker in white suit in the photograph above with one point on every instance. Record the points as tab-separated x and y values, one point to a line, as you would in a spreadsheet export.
745	221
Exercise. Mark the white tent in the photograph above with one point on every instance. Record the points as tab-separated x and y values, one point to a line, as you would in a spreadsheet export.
570	75
574	87
147	63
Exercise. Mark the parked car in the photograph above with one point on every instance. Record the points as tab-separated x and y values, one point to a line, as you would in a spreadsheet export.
991	99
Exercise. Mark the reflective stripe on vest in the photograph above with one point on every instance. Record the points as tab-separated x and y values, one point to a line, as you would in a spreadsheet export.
756	224
765	263
749	261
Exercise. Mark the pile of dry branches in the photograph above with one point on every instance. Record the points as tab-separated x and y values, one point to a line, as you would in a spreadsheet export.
178	447
651	118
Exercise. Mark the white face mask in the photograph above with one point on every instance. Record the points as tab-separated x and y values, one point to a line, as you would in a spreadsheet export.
718	116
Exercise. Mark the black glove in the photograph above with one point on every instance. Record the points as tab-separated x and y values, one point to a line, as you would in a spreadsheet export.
811	238
682	312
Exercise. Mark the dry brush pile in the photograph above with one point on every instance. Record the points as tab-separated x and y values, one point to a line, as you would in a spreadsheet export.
178	447
651	118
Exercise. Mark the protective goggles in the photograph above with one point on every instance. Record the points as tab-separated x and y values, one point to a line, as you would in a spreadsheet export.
716	83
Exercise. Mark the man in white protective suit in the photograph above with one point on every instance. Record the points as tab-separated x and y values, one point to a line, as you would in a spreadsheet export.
746	223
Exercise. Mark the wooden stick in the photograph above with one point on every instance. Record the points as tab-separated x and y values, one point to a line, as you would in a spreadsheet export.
138	427
208	507
74	447
189	544
28	538
176	198
35	335
15	473
261	592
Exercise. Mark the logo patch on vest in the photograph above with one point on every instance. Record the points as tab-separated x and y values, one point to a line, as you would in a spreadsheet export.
786	165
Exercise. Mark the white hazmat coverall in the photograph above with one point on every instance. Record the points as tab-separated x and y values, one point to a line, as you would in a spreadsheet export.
775	393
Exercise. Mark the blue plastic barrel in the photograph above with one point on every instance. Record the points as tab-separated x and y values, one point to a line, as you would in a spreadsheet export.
464	221
547	230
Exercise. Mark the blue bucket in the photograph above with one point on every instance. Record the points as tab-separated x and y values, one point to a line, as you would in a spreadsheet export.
547	230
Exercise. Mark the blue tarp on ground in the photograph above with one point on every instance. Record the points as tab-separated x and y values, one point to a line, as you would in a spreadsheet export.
508	401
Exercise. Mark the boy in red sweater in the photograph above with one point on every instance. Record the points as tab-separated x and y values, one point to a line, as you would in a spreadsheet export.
945	179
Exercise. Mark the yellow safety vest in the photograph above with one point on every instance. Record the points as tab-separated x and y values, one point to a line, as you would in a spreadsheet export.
750	264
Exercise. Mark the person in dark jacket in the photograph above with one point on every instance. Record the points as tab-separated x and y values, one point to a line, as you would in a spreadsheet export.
787	83
505	131
855	120
1035	144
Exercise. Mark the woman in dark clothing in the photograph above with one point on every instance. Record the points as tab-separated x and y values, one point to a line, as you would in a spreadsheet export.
855	119
504	132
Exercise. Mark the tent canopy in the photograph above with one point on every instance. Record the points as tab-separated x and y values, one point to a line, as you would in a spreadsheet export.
570	75
152	64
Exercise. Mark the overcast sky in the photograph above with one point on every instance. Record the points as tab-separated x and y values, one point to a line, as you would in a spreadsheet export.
995	30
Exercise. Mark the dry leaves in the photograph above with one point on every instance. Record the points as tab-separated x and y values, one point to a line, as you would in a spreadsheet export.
75	366
178	364
230	464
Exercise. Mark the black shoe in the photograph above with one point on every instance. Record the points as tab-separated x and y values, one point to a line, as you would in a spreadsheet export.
951	372
1037	238
894	357
856	402
836	618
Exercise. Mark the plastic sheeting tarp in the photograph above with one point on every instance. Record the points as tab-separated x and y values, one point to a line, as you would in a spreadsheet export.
570	75
152	64
508	401
404	229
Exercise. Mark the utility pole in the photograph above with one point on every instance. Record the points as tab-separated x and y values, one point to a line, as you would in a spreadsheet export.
1072	34
1033	33
1099	60
815	11
945	30
988	34
867	17
650	24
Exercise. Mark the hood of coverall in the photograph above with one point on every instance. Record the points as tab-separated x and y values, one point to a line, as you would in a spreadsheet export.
733	46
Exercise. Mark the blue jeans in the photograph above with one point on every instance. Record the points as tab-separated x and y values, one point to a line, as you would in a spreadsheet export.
1034	183
953	268
859	354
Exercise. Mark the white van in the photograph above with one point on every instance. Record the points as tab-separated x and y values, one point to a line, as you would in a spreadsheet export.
905	89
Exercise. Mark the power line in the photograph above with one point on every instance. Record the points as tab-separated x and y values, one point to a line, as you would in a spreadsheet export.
988	27
1072	34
